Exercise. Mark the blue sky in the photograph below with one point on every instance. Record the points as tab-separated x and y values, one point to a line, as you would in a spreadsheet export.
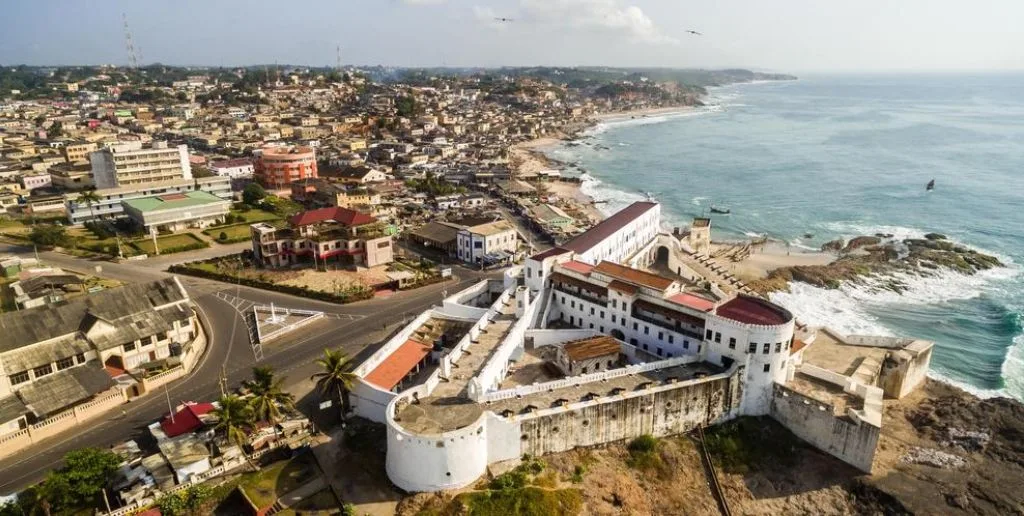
783	35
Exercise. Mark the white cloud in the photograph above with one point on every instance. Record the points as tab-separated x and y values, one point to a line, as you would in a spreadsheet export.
595	14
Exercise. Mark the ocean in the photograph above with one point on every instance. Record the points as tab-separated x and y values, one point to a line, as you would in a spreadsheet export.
841	156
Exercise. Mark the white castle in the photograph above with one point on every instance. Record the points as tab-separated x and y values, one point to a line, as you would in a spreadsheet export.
584	345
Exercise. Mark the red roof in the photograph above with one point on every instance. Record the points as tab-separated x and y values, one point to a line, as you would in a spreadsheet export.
797	346
340	215
692	301
185	420
398	364
608	227
580	267
754	310
554	251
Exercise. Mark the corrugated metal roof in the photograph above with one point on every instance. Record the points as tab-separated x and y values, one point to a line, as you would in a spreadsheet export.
56	391
608	227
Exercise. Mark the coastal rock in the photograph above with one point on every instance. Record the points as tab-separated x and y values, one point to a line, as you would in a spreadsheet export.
935	236
834	245
878	258
861	241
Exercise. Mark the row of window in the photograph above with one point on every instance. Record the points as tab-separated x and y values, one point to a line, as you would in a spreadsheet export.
46	369
752	348
153	339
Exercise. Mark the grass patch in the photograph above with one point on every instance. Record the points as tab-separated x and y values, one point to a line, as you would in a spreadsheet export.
236	233
265	486
750	443
643	454
253	216
170	244
525	501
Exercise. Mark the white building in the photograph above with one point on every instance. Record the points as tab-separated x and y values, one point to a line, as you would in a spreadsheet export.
129	164
641	354
110	204
614	239
234	168
487	243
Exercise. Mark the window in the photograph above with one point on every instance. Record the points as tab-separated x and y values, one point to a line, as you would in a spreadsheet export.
80	358
632	341
636	326
65	363
18	378
572	320
645	346
478	245
660	352
591	310
671	339
584	370
778	347
767	348
615	303
718	337
613	318
563	300
686	344
609	364
708	335
129	346
752	348
732	342
661	336
42	370
591	326
602	314
602	329
572	303
699	347
767	367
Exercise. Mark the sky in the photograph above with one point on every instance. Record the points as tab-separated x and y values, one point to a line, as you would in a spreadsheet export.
775	35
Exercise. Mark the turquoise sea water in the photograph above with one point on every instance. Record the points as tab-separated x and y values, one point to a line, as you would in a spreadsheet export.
845	156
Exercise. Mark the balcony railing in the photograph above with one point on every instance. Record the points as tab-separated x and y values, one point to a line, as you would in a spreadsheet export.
581	295
678	328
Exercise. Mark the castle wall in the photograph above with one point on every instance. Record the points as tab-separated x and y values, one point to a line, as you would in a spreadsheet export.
816	423
659	411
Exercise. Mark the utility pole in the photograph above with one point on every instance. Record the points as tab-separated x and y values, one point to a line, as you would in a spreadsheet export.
170	408
156	246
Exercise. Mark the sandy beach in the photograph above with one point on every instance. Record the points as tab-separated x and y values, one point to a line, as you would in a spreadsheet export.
625	115
767	257
526	159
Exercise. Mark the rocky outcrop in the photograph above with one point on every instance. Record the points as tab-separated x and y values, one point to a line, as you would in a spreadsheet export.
878	257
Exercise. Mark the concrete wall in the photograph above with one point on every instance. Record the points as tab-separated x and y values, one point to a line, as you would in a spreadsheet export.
816	423
434	462
369	401
904	370
552	337
491	375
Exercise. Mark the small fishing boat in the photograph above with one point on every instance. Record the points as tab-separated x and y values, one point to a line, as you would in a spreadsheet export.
931	185
720	210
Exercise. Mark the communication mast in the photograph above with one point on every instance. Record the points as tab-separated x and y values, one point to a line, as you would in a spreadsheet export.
133	55
338	65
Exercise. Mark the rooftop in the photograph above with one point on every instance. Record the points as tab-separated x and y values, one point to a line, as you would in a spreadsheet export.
398	365
174	201
593	347
693	301
340	215
754	310
491	228
634	276
608	227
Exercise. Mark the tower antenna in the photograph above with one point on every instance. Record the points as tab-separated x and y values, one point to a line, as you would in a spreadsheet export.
133	56
338	65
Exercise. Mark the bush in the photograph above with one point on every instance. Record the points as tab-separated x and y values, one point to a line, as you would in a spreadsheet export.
253	193
99	229
514	479
646	443
223	236
50	236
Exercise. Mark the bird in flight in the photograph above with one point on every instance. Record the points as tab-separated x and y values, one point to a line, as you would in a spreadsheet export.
504	20
695	33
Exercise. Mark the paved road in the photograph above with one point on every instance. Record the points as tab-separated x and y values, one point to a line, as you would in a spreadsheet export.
352	327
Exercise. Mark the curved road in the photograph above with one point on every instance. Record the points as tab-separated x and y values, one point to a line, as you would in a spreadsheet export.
349	327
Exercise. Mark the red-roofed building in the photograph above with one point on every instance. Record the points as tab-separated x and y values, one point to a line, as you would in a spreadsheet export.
754	310
406	360
186	420
325	236
693	301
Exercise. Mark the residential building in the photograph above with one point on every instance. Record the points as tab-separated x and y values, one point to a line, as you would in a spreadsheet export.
278	166
110	203
129	164
487	243
71	176
321	237
234	168
361	175
177	211
54	357
552	216
76	152
32	180
44	204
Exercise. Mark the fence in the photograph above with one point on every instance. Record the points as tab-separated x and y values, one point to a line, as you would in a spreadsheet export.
16	441
309	314
573	381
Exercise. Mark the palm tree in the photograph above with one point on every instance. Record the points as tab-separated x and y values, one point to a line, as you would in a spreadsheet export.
234	418
89	198
268	395
337	377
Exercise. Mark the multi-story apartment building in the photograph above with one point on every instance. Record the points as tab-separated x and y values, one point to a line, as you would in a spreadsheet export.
276	167
234	168
321	237
129	164
78	151
110	204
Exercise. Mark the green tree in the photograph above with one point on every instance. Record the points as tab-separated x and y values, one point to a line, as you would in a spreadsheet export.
269	397
234	419
48	235
253	194
336	377
405	106
78	484
181	503
55	130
